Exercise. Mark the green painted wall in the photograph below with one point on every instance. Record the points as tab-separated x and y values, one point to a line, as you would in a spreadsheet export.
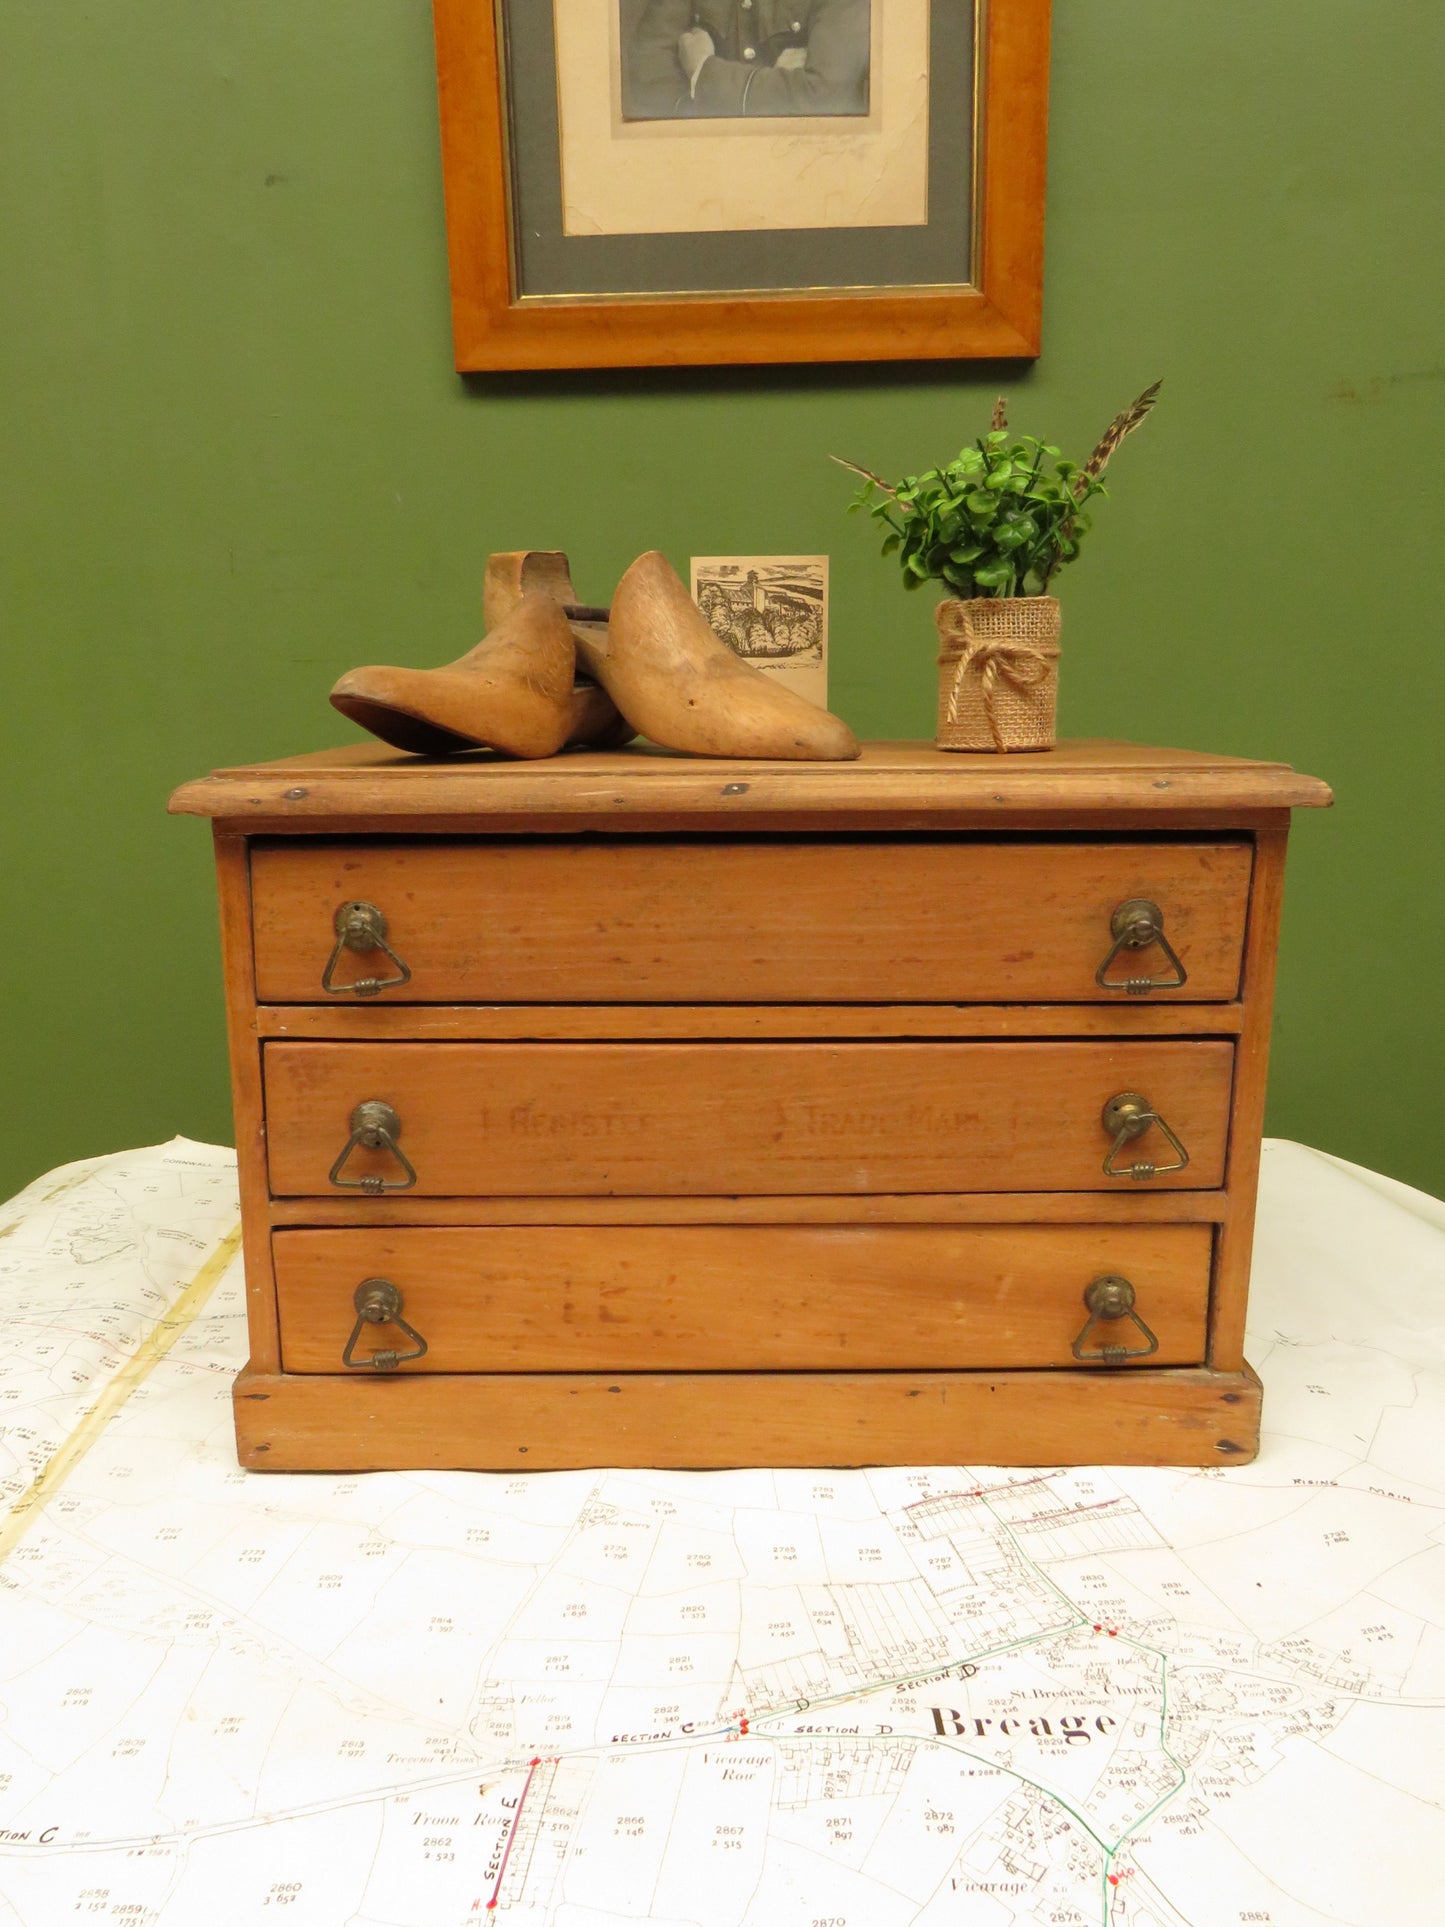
234	461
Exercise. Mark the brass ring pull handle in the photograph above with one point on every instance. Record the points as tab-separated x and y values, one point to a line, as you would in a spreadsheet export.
1134	926
1107	1300
375	1127
1128	1116
378	1302
361	927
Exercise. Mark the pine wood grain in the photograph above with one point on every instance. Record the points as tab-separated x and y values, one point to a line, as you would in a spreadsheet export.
939	919
601	1119
233	887
518	1421
866	1121
561	1023
799	1298
1134	1204
1082	779
1236	1243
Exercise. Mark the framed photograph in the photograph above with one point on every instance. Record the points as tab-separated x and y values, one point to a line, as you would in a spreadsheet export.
647	183
772	610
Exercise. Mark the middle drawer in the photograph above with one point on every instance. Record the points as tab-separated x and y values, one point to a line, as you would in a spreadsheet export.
719	1119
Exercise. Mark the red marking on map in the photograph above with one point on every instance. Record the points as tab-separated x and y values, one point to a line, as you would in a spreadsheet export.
516	1822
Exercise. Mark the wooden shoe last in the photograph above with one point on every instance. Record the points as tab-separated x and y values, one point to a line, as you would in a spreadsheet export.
671	676
668	674
513	692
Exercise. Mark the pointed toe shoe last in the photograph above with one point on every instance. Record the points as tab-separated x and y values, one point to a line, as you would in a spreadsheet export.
677	683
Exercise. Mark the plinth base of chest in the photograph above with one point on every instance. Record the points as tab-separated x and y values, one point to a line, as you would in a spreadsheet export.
552	1421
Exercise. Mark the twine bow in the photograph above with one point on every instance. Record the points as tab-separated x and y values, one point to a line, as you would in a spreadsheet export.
1024	665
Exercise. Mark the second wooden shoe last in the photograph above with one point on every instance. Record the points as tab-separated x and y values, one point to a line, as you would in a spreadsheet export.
668	674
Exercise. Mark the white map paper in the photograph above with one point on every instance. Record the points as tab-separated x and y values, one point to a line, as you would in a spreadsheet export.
889	1698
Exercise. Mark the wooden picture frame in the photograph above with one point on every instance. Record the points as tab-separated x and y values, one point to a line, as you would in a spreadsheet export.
992	310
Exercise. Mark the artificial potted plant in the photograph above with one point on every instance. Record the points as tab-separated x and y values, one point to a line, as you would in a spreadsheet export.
994	527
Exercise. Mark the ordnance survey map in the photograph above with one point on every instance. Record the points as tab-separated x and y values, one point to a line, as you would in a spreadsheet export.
886	1698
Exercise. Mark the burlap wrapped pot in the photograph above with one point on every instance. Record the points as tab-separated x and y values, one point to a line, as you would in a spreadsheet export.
998	672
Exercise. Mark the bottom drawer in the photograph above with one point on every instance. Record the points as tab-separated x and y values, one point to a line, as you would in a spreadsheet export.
626	1298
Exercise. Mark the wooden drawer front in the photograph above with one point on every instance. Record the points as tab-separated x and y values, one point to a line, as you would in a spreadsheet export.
650	920
500	1120
744	1298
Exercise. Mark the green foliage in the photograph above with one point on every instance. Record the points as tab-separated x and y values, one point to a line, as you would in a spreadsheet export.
1003	517
1000	520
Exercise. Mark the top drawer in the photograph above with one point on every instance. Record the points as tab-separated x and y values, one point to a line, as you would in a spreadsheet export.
767	920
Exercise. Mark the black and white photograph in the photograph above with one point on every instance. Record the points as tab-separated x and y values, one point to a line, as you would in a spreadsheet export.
735	59
811	119
772	610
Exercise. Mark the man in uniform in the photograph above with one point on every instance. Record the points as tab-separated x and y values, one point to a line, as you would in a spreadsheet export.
718	58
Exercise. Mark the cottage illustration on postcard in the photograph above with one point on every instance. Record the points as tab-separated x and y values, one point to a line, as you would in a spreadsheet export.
772	610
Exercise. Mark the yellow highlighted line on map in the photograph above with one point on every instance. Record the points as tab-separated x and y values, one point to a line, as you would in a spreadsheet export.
137	1368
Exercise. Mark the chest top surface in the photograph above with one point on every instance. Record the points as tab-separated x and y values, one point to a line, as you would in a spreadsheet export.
1086	777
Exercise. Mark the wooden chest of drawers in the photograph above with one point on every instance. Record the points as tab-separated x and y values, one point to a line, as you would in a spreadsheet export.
630	1110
